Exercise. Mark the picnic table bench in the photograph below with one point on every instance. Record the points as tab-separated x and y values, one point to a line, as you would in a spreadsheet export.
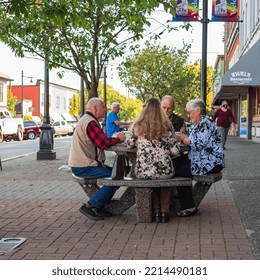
139	191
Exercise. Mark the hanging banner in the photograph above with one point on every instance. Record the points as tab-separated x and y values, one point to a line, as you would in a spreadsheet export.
186	10
224	10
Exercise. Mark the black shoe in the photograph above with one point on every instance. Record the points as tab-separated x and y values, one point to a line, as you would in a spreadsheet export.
187	213
91	212
157	217
165	217
104	212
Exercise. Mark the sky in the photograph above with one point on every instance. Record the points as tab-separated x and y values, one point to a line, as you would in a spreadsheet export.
13	66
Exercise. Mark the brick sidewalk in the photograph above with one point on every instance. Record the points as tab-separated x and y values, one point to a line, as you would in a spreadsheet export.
41	203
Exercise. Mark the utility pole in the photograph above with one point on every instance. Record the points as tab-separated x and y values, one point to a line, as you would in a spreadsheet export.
203	80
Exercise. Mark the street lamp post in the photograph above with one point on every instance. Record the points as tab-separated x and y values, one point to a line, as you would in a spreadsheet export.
23	78
46	136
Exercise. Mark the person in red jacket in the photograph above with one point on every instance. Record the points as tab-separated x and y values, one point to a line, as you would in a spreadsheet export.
224	117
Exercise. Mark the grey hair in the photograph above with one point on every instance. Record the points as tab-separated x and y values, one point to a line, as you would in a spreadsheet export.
170	98
196	104
114	104
94	101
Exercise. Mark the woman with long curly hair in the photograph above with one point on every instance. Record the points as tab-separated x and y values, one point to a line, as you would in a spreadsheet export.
154	137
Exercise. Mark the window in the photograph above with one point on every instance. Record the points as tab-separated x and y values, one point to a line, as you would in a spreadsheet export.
256	102
57	102
1	92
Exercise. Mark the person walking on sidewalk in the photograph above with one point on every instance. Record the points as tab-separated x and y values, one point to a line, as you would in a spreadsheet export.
87	157
154	137
224	117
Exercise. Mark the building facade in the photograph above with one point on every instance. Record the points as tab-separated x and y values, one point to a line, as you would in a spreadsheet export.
240	84
3	90
33	99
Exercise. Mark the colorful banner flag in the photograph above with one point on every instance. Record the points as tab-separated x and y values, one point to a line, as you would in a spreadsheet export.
224	10
186	10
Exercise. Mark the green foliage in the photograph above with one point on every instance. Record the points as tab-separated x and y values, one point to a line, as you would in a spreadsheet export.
76	35
11	101
161	70
28	118
129	107
210	71
75	104
154	71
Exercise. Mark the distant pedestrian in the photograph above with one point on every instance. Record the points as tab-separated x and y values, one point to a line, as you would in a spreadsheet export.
224	117
113	123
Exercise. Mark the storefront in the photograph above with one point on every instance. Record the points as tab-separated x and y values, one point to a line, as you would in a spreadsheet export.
241	86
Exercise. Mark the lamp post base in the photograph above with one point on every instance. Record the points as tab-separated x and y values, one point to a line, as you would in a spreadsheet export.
46	143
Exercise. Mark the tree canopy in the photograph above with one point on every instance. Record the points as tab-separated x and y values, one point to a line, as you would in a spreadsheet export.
129	107
78	35
162	70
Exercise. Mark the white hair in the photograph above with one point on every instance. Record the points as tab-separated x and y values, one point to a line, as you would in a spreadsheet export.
114	104
94	101
196	104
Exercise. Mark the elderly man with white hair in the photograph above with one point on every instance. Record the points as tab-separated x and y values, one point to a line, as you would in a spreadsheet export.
113	122
87	157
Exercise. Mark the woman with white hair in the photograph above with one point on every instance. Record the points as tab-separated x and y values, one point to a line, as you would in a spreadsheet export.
206	152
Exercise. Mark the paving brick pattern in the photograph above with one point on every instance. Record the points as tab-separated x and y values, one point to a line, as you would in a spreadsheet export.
41	203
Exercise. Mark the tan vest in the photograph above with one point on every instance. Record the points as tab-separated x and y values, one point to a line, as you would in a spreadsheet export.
83	151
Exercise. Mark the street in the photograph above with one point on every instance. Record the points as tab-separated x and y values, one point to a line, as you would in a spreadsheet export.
13	149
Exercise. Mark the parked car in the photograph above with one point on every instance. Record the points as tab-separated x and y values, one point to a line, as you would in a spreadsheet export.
61	127
31	130
73	124
10	127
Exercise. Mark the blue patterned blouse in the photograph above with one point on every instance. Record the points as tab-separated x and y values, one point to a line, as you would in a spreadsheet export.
206	148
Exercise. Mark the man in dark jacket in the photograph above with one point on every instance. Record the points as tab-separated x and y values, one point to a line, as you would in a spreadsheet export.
177	122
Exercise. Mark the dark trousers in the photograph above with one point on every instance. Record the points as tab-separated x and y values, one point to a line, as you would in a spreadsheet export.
182	169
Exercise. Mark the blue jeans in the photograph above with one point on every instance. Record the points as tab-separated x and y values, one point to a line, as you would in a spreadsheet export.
105	193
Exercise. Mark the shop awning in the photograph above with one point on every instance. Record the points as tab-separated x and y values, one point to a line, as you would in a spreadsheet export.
245	73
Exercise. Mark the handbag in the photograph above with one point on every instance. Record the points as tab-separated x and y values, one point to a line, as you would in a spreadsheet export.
120	168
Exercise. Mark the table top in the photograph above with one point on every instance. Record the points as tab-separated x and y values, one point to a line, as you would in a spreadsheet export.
122	148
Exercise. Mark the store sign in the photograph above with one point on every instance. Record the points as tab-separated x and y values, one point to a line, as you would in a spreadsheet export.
240	77
186	10
225	10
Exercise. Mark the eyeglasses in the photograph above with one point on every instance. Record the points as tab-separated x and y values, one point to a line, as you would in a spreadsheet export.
189	112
